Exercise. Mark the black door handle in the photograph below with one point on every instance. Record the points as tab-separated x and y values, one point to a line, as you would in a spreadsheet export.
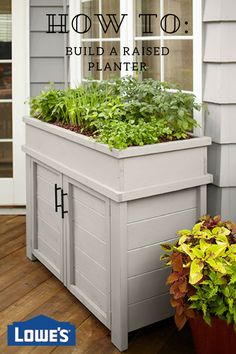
63	212
57	206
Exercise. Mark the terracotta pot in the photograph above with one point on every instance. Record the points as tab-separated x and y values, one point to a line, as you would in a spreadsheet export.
220	338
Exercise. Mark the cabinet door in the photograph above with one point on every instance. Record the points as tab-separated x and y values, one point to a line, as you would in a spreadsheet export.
88	248
47	222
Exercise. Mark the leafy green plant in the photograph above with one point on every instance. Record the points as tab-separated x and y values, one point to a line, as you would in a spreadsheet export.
127	133
203	277
122	112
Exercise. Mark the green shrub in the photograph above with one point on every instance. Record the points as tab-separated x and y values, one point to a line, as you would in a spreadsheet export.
122	112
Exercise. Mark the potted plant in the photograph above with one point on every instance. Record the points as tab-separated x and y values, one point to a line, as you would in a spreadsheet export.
104	193
203	283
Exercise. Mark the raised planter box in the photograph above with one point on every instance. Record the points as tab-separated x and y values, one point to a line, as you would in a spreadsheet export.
96	218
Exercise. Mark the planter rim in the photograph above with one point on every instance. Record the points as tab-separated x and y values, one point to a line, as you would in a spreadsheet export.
120	154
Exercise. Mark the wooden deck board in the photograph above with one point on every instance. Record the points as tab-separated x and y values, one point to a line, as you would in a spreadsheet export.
12	275
28	289
23	286
12	260
5	219
9	222
12	246
11	233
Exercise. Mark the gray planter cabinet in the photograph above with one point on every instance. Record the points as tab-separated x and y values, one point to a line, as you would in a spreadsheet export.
96	218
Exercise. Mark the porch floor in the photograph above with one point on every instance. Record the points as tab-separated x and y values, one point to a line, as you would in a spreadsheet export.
28	289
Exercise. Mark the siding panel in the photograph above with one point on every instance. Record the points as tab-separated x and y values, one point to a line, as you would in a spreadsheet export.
39	18
222	201
46	45
152	221
221	123
145	260
47	60
159	228
149	311
161	205
218	44
222	164
219	91
219	10
219	87
47	70
146	286
46	3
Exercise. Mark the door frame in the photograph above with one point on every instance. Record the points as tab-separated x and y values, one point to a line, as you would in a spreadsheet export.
12	190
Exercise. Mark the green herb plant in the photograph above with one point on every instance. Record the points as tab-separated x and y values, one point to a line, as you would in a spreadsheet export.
203	277
122	112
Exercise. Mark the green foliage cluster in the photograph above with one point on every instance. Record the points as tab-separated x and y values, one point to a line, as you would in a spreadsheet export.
203	277
122	112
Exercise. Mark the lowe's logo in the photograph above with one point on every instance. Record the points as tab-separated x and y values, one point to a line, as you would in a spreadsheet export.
41	331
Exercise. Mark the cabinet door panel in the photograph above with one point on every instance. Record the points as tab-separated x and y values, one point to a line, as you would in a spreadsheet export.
83	216
45	191
50	254
90	201
46	212
48	237
91	270
86	287
88	245
44	229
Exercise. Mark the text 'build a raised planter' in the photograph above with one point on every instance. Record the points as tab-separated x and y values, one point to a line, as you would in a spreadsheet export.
96	218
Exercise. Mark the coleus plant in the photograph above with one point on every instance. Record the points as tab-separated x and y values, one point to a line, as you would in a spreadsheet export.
203	277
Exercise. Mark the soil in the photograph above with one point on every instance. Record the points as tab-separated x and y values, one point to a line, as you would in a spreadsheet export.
90	133
76	128
165	140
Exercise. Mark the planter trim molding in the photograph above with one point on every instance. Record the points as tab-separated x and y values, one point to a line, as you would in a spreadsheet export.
117	194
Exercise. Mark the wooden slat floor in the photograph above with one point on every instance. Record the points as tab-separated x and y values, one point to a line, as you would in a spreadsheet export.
28	289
